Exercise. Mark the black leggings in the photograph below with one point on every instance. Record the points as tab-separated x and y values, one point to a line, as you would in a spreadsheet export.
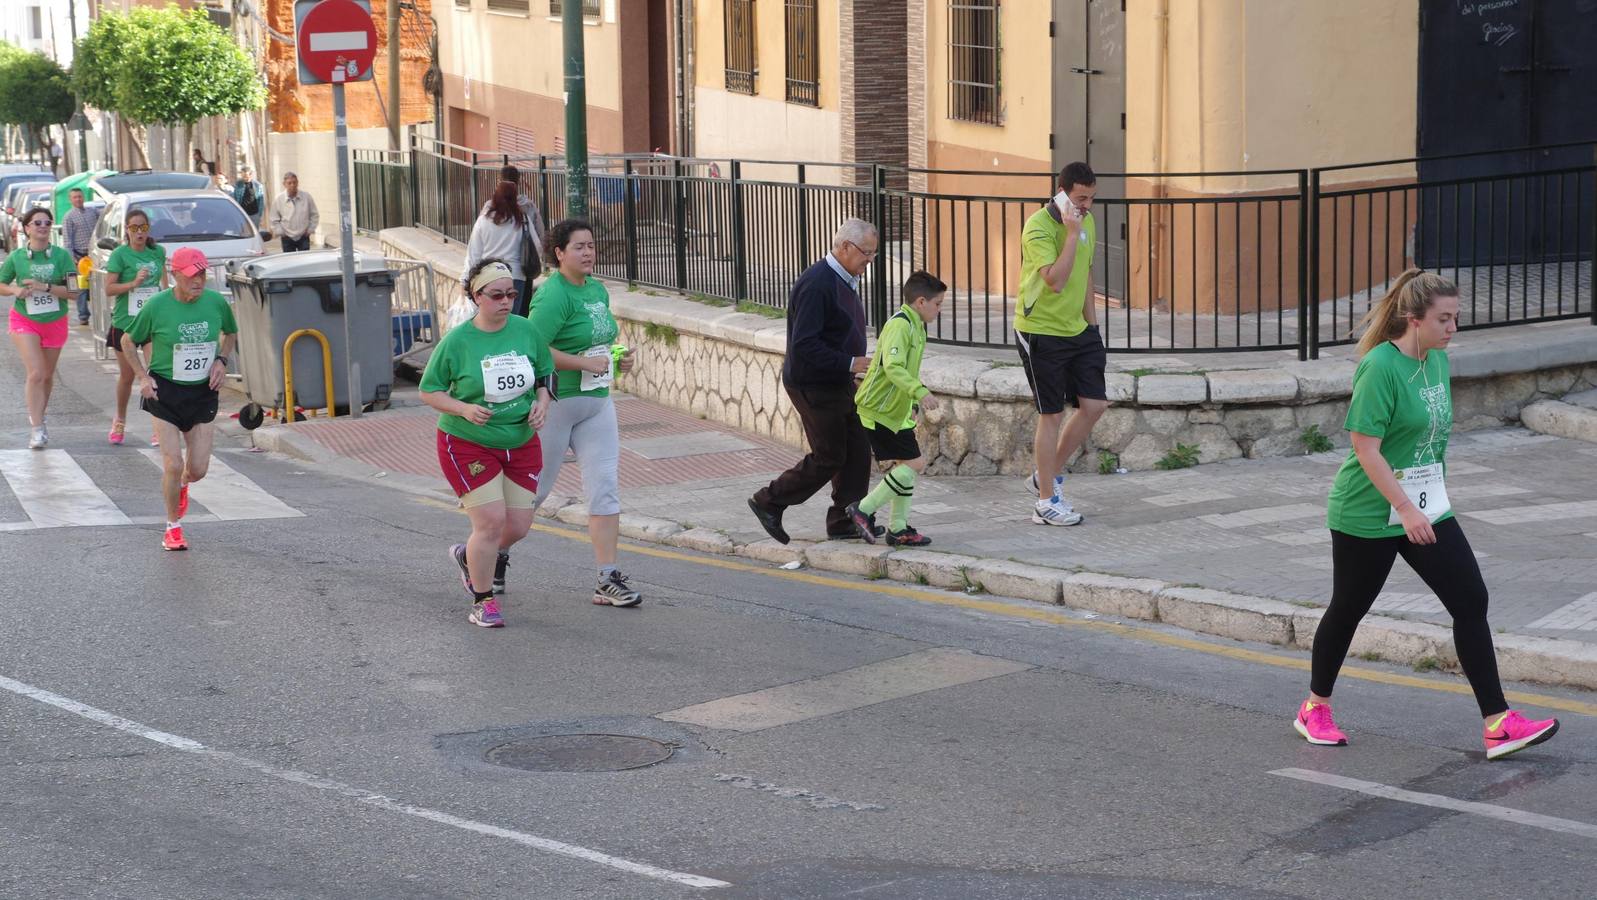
1360	567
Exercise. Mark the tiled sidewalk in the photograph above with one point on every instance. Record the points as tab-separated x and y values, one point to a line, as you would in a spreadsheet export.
1527	501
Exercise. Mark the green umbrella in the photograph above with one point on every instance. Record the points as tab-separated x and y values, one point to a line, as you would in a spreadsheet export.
65	186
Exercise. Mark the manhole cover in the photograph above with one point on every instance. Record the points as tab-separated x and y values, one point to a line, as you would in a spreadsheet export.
580	753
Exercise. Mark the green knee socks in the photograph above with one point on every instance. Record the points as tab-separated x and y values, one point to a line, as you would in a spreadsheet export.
897	487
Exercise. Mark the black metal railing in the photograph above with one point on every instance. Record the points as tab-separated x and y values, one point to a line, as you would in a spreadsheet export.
1182	262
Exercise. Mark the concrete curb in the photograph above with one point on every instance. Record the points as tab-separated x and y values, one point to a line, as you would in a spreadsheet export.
1216	613
1564	420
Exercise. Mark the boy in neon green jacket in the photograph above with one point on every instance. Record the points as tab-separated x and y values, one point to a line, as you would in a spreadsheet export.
886	402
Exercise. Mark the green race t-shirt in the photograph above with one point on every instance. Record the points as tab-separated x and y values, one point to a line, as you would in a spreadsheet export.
496	369
125	263
51	265
1409	406
185	336
1040	309
575	320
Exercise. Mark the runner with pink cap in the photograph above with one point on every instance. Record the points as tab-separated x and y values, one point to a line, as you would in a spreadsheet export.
188	331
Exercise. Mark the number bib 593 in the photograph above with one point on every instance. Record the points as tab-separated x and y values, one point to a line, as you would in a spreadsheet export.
506	377
192	362
1424	487
41	303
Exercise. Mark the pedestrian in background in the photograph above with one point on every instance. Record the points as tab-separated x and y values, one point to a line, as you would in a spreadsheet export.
532	239
76	230
250	196
825	353
1056	332
1390	499
888	400
294	216
500	232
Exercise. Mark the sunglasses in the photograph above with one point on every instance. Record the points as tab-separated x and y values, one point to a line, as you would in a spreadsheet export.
499	295
37	222
138	229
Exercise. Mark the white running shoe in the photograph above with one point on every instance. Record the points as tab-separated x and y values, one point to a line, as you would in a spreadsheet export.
38	438
1054	512
1031	484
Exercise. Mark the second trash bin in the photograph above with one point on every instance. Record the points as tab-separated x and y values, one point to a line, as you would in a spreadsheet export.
275	296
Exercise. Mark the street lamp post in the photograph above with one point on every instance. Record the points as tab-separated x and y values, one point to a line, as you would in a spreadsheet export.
78	123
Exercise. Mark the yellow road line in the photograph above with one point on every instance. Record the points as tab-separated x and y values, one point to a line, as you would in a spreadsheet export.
1044	614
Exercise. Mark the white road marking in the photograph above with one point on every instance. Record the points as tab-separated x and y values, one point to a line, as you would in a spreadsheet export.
1578	616
1487	810
867	685
54	490
230	495
354	793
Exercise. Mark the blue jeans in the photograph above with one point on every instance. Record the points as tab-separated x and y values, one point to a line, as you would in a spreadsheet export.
83	306
303	242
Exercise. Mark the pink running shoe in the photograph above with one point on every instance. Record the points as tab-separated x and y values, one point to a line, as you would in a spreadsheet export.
487	614
1315	724
1513	732
118	432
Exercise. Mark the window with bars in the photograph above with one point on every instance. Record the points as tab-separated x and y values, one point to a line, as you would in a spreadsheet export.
803	52
590	8
519	6
973	61
742	66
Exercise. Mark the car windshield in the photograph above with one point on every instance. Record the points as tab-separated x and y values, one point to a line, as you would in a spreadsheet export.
152	181
20	191
196	219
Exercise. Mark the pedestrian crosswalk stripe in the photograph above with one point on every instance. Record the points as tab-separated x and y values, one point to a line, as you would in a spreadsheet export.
55	491
229	495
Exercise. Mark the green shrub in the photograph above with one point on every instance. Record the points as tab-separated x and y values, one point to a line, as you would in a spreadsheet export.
1107	462
1315	442
665	334
1184	456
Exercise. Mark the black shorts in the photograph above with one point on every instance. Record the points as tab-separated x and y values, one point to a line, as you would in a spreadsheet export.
1063	370
889	444
113	338
183	405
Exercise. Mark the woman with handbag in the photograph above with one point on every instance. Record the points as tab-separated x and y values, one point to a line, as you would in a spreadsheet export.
507	230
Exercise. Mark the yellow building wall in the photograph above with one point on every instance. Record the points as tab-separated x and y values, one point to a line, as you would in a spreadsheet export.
765	126
507	66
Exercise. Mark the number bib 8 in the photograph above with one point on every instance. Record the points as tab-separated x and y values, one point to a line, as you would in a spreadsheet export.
1424	487
42	303
191	363
140	296
506	377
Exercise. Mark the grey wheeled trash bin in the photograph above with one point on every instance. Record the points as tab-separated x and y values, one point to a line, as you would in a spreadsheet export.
275	296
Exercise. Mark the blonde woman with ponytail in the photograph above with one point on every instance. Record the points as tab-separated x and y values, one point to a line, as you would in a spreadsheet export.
1390	499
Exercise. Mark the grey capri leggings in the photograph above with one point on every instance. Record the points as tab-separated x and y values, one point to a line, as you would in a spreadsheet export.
588	426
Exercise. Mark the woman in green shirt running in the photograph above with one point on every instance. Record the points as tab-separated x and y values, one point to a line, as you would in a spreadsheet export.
1390	499
135	272
571	312
36	275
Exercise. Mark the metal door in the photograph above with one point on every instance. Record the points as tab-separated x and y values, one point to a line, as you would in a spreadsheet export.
1089	116
1496	75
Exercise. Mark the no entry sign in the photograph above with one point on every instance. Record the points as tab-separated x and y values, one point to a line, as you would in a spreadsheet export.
336	39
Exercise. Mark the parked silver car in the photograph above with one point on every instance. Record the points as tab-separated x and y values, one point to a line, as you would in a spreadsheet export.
205	219
23	200
9	184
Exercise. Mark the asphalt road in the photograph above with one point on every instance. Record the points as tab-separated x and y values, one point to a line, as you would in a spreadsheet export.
297	707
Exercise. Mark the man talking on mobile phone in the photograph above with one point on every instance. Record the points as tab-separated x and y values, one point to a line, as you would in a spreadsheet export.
1056	331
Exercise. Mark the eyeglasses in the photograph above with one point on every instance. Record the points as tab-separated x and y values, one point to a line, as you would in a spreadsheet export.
868	254
37	222
138	229
499	295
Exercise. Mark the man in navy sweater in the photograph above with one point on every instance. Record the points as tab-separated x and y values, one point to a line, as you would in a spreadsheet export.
825	353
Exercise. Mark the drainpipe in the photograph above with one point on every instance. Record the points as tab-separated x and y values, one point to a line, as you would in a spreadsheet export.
1158	225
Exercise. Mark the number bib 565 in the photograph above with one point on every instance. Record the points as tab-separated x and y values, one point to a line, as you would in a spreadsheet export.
506	377
1424	487
192	362
41	303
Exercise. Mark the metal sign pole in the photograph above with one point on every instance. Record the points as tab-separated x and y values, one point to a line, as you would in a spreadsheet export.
346	247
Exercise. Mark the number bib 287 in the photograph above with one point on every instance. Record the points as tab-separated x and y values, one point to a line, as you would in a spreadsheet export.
140	296
506	377
192	362
41	303
1424	487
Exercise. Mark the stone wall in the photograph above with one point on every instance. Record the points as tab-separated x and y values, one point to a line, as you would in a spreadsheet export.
726	366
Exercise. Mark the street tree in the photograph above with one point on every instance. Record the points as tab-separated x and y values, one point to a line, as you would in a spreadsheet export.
34	93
